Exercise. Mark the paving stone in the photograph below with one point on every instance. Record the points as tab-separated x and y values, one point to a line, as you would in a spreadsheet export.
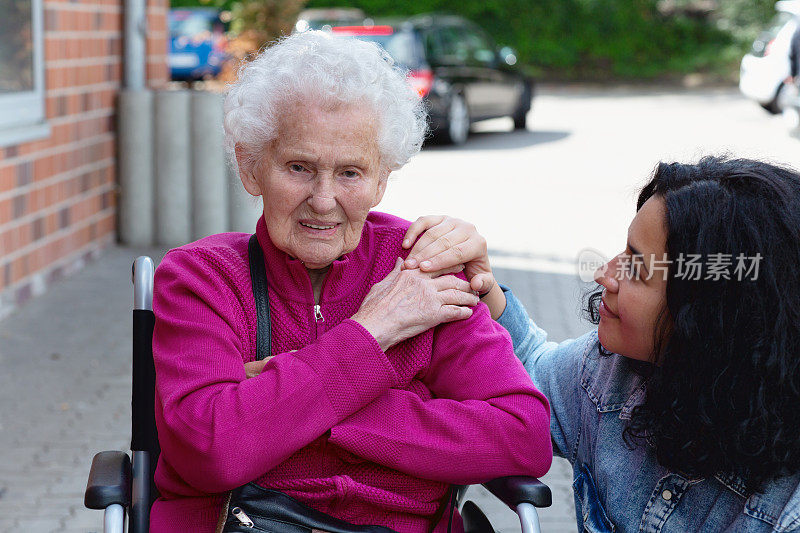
7	523
37	524
83	520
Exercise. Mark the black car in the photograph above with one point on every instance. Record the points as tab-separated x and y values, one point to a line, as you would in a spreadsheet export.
456	67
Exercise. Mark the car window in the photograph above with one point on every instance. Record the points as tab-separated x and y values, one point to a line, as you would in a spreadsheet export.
432	46
191	24
402	46
452	47
478	45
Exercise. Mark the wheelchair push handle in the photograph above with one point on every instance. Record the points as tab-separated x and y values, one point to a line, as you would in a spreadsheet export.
142	278
144	435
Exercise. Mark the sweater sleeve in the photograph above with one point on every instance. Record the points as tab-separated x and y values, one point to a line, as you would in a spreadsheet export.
219	430
486	420
555	369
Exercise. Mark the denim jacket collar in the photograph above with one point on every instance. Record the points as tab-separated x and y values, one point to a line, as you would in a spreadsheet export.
609	382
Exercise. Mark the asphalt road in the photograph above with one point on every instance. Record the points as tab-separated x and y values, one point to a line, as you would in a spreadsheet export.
570	182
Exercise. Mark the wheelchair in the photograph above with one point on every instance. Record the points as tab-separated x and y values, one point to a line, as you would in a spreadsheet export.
120	484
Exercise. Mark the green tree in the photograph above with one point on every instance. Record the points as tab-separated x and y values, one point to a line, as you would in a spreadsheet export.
744	19
265	20
577	38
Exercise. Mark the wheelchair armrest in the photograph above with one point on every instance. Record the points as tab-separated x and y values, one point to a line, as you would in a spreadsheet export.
513	490
109	481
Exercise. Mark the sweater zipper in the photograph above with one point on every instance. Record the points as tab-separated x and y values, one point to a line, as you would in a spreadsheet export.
318	318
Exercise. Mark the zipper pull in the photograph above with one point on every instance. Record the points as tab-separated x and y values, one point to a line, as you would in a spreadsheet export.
318	314
242	517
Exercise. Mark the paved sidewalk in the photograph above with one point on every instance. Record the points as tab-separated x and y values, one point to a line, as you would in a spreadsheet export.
65	391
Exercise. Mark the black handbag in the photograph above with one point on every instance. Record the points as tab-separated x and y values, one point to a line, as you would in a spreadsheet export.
254	508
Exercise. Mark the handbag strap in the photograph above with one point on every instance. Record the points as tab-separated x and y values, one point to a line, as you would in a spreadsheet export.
448	501
258	278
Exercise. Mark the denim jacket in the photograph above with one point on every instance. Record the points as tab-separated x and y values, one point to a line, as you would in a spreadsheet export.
621	489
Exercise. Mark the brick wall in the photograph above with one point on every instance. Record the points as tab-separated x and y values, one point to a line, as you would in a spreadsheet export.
58	194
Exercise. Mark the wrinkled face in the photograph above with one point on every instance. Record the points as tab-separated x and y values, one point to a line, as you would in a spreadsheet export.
635	284
318	181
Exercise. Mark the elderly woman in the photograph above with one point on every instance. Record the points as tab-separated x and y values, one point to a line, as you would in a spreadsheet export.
384	386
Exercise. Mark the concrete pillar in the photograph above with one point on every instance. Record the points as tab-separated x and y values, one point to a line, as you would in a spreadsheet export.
136	210
209	187
173	164
244	209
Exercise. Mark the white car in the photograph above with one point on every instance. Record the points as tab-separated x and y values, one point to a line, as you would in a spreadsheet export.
765	68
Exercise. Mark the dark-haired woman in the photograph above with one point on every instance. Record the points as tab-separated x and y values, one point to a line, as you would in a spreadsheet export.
682	411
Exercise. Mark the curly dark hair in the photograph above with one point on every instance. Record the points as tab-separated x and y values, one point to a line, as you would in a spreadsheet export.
724	393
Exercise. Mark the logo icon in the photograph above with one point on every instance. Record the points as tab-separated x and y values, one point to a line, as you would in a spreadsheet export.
589	261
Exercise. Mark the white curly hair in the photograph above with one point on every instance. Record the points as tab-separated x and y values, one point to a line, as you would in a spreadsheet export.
316	66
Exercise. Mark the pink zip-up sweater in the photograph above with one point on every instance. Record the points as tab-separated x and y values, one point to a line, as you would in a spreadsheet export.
366	436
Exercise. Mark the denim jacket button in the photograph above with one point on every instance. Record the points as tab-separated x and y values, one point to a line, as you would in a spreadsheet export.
667	495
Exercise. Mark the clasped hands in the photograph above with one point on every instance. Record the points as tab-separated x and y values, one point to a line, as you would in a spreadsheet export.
418	294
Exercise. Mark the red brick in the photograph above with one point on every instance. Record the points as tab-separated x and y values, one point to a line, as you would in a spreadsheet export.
5	276
5	214
7	178
18	269
6	243
19	205
52	20
73	48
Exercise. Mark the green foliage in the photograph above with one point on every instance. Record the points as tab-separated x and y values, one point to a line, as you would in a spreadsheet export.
744	19
591	38
571	38
265	20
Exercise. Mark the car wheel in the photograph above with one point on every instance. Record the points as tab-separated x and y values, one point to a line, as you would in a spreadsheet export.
520	120
520	116
457	127
775	106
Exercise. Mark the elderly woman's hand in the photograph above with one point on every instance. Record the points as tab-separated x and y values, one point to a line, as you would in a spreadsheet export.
408	302
254	368
446	242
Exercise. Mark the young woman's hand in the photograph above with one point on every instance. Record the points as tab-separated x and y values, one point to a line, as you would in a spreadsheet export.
446	242
407	302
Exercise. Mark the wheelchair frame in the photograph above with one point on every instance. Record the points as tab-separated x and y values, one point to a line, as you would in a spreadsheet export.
116	483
